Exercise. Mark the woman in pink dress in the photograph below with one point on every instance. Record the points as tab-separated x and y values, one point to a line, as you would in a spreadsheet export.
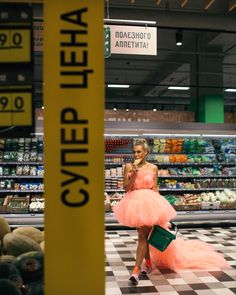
142	207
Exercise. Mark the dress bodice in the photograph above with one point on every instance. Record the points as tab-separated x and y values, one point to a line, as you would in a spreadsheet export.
144	179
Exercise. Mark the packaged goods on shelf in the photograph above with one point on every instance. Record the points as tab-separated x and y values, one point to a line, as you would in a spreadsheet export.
112	144
115	199
37	206
17	204
20	165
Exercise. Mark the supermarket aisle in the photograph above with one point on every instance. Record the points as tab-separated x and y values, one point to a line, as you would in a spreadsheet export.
120	257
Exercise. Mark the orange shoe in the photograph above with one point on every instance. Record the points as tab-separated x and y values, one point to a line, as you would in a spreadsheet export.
146	267
134	278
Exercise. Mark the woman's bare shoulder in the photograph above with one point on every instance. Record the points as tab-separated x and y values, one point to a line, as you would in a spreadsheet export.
152	166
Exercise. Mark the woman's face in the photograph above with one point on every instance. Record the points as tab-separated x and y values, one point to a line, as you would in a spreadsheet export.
139	152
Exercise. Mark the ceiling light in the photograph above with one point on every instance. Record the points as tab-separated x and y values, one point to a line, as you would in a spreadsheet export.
230	90
172	135
130	21
42	107
178	88
232	5
154	109
208	4
183	3
118	86
218	135
179	38
115	108
112	134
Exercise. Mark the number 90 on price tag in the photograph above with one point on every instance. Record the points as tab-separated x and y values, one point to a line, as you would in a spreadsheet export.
16	109
15	45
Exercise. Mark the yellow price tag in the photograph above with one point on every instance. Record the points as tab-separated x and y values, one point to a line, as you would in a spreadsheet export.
15	45
15	109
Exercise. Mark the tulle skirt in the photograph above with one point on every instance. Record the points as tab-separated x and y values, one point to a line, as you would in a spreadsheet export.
143	207
187	254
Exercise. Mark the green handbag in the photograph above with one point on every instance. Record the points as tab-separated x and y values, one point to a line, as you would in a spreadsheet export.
160	238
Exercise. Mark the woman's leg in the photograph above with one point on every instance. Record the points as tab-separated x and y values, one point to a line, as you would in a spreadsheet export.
142	251
143	247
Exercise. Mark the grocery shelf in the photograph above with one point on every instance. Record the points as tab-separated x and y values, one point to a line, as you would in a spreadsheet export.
21	163
194	164
181	176
183	218
21	176
116	177
195	190
179	189
20	191
114	190
197	176
188	218
178	164
24	219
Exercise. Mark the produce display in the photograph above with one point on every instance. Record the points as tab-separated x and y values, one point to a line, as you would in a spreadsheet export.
192	172
21	257
201	183
31	232
216	170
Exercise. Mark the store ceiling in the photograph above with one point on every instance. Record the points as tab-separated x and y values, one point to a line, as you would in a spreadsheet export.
206	61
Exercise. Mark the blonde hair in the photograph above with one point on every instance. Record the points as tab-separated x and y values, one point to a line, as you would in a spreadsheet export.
142	142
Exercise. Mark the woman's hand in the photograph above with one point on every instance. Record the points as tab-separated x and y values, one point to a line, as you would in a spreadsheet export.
135	166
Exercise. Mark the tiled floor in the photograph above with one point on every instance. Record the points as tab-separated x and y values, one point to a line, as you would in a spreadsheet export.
120	259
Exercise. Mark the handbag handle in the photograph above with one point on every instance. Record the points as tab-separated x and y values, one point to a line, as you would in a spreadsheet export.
175	227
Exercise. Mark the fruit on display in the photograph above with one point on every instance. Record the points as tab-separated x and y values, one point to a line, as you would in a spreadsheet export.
4	227
31	232
30	266
7	258
42	245
18	244
171	199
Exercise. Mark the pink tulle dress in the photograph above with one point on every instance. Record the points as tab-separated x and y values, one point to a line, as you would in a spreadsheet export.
142	206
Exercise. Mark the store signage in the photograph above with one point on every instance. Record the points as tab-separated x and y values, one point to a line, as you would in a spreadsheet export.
141	40
15	109
15	50
74	147
38	35
15	45
107	40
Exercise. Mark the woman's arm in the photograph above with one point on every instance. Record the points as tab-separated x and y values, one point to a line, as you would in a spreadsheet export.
129	178
155	187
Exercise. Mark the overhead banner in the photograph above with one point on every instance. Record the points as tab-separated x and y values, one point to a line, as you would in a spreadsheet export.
74	147
140	40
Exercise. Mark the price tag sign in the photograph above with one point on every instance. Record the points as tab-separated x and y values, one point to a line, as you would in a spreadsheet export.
15	109
15	45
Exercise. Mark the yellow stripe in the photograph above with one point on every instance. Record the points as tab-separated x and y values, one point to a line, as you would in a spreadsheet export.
74	100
